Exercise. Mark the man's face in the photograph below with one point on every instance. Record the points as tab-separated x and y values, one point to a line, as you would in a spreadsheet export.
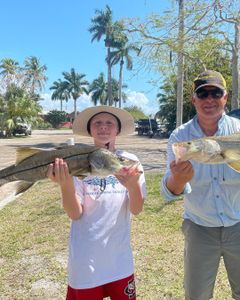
209	101
104	128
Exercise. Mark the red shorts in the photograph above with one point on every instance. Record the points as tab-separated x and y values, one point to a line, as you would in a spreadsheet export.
123	289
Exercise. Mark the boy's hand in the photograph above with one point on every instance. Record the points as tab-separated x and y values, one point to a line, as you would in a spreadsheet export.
128	176
58	172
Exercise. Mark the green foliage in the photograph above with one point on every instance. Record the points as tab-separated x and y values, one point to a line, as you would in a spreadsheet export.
56	117
98	88
136	112
41	124
17	104
219	60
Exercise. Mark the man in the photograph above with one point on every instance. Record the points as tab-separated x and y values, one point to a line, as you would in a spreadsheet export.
211	193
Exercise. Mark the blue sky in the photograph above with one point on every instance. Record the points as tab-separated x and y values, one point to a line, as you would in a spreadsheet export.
56	31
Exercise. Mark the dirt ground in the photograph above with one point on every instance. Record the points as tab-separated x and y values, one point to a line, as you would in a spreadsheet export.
150	151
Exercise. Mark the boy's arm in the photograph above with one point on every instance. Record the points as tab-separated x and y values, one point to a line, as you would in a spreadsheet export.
58	172
130	179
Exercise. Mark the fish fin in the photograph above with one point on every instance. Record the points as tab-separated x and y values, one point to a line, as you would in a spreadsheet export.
80	175
62	146
231	154
22	186
25	152
10	190
235	165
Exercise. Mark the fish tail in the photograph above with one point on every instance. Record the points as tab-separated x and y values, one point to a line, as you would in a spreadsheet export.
9	190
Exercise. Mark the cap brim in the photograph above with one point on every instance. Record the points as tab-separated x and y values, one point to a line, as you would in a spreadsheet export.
80	123
210	84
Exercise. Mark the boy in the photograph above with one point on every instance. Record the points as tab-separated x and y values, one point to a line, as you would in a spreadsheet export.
100	257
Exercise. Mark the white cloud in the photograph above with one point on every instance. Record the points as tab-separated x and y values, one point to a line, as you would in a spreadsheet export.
48	104
149	107
140	100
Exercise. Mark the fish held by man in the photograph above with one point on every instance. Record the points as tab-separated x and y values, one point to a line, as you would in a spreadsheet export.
211	150
32	164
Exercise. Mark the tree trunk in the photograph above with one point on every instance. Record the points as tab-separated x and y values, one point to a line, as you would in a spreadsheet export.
110	102
235	69
180	71
75	108
120	83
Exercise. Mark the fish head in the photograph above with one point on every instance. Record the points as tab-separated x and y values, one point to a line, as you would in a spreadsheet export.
103	162
201	150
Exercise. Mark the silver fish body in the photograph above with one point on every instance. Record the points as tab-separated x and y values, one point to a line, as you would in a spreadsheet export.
211	150
32	164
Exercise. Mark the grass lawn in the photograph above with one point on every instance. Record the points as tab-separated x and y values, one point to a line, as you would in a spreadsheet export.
33	247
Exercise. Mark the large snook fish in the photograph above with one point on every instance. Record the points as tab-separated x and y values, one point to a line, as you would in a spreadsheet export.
211	150
32	164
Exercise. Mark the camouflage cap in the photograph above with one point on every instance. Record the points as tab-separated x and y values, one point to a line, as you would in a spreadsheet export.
209	78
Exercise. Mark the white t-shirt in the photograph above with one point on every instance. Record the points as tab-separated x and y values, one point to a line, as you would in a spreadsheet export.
99	246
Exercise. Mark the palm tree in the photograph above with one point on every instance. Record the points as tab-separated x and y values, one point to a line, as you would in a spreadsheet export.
9	70
34	74
115	91
75	86
118	56
102	25
60	91
99	89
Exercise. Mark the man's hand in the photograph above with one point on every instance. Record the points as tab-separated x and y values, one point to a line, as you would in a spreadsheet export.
182	172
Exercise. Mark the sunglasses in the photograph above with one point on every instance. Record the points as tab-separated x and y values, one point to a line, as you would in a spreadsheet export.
215	94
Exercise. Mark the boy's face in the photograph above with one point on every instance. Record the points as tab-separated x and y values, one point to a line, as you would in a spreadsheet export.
104	128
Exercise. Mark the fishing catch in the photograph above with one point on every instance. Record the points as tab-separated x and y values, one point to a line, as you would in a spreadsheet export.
32	164
211	150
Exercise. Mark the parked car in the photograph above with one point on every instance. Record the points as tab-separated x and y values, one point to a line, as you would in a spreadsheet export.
148	127
234	113
22	128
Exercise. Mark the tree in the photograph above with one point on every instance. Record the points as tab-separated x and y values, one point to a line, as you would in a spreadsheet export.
180	64
119	56
34	74
229	14
136	112
9	71
55	117
98	90
219	61
18	105
167	40
103	25
60	91
75	86
115	91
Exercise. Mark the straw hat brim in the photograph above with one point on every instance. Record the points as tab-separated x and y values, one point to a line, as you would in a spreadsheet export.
81	121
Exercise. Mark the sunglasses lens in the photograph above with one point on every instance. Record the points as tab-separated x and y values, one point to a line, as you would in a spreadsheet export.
202	94
216	93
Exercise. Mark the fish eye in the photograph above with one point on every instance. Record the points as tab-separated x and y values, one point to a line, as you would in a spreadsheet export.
121	158
189	143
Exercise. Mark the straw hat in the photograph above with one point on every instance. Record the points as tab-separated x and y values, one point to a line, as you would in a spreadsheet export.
81	121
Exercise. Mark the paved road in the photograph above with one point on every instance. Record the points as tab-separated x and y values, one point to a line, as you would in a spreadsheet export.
151	152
